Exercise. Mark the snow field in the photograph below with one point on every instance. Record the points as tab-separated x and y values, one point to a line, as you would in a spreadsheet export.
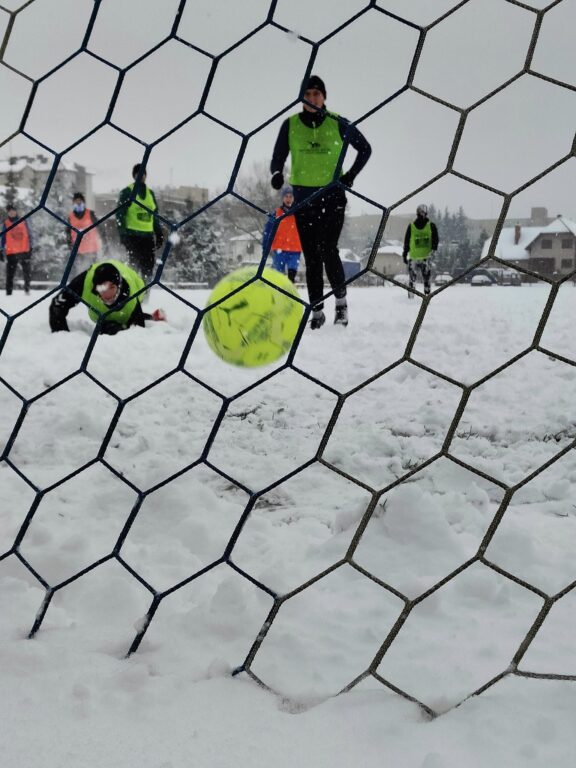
457	638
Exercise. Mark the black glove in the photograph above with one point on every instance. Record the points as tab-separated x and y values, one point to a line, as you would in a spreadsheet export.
1	255
109	327
405	259
347	179
277	180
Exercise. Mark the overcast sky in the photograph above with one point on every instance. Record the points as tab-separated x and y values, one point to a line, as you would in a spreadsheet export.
512	137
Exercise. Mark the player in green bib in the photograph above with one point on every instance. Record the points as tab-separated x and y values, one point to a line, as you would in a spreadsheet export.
138	228
315	140
106	288
420	246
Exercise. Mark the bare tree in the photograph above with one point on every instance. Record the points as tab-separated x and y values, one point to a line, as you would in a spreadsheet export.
254	187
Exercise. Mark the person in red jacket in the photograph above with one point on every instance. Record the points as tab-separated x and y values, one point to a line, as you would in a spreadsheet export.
16	246
286	247
90	245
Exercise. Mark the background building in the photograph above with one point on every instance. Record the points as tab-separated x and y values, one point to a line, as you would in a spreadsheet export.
26	176
548	249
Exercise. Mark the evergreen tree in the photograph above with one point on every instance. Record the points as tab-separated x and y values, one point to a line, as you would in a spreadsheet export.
197	255
478	246
51	249
455	252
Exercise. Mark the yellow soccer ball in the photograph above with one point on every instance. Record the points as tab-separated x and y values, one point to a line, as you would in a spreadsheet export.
256	325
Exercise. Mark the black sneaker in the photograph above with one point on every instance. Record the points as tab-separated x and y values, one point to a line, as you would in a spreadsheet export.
318	320
341	316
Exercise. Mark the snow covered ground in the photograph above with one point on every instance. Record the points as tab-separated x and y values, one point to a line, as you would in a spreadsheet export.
69	697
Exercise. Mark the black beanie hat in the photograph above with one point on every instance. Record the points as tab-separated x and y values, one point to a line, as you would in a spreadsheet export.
104	273
316	82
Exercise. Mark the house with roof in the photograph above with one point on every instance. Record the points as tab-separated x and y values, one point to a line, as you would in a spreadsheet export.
246	248
549	250
388	259
31	173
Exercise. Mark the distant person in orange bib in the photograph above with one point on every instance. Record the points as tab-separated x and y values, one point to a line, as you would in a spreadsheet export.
286	247
90	246
16	247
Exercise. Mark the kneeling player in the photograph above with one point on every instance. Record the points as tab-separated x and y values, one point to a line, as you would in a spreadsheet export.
106	289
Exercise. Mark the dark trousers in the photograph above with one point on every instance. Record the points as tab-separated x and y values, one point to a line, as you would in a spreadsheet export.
319	226
25	261
141	254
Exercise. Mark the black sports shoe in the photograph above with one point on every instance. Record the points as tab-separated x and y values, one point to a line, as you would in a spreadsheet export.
318	320
341	316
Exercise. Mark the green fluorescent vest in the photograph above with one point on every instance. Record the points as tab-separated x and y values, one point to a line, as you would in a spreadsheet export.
314	151
420	242
137	219
96	306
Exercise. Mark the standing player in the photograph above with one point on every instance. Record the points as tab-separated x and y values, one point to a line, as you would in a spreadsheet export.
286	247
139	230
420	246
315	140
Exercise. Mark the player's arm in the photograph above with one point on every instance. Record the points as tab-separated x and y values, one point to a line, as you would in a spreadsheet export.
359	143
268	234
137	317
158	231
120	215
63	302
435	238
406	245
279	156
30	236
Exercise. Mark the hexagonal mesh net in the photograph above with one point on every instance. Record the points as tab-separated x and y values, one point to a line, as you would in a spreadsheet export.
388	505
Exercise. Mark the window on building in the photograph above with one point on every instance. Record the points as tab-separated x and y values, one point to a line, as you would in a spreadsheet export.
567	263
567	243
546	243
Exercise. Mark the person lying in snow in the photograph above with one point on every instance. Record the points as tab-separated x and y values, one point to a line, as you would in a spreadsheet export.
106	288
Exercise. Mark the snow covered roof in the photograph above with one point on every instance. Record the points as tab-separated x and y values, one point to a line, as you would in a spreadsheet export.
347	255
511	251
32	162
559	226
390	249
507	249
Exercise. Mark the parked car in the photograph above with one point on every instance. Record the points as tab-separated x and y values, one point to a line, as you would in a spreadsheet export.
442	279
505	276
481	272
511	277
479	280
